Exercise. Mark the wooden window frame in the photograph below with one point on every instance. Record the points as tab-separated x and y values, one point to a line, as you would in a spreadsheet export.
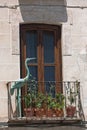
58	52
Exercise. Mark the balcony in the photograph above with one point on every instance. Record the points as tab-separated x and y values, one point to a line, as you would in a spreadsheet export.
45	106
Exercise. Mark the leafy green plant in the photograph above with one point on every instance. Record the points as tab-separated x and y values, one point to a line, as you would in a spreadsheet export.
53	103
30	97
60	100
32	86
28	100
49	101
40	98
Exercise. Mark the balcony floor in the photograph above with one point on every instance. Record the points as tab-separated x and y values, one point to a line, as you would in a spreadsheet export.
23	121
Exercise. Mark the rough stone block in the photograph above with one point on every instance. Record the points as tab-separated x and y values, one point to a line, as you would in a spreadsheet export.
3	2
5	41
66	38
9	72
15	39
15	16
79	42
77	2
4	27
3	90
67	46
79	15
15	59
13	2
3	107
5	56
4	14
69	16
79	29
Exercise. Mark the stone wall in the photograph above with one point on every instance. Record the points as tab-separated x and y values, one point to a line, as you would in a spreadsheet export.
71	14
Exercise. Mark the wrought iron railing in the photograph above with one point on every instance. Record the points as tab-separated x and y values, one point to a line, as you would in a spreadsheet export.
57	101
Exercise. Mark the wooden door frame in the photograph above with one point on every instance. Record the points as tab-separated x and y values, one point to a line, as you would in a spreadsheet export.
58	51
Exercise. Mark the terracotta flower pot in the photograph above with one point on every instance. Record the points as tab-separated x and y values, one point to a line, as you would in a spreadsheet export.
28	112
39	112
49	113
70	111
59	112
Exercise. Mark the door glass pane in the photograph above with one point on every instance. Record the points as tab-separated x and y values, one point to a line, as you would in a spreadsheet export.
49	73
31	45
33	72
49	76
32	85
48	43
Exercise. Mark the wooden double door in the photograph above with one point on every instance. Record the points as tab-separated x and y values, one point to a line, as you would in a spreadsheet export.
44	43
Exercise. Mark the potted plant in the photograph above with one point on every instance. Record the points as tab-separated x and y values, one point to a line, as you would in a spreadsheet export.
39	108
59	105
30	97
49	100
28	105
71	108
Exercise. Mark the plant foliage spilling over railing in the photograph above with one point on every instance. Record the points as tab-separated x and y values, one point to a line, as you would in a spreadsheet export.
47	104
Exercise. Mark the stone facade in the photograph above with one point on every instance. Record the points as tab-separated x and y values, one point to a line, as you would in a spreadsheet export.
71	14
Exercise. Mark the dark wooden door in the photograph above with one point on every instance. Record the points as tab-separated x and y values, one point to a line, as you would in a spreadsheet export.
44	43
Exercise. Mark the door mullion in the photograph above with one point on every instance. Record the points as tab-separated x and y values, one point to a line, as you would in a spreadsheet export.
40	72
42	62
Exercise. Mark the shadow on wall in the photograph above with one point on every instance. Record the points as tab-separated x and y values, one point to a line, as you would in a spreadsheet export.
43	11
